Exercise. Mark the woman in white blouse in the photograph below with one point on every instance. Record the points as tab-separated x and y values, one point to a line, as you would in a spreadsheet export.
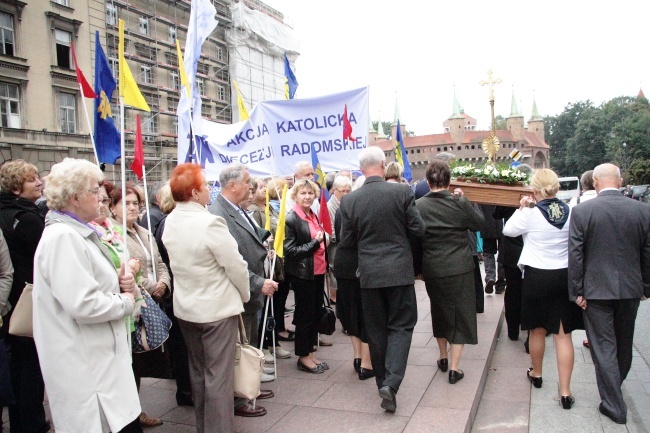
544	226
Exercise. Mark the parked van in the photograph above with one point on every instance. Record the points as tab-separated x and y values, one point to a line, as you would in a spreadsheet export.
569	188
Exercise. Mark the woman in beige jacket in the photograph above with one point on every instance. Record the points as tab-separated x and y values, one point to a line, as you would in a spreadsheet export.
210	287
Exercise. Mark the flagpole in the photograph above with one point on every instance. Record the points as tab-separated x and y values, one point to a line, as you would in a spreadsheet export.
146	201
92	139
123	179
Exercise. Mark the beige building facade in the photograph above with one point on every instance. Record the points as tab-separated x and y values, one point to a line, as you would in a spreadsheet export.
42	114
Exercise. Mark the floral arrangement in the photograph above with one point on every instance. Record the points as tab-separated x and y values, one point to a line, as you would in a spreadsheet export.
498	174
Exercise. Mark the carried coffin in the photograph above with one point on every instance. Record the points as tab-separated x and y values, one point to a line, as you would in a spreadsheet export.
494	194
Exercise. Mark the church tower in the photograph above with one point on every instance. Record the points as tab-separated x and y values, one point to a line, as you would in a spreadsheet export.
457	123
380	130
393	126
536	122
515	122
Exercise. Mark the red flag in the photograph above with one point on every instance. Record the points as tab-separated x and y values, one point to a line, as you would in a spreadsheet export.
138	152
85	87
324	213
347	128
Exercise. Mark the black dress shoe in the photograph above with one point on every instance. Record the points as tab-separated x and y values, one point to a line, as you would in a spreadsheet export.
443	364
248	410
389	401
536	381
455	376
184	399
489	287
365	373
567	401
291	336
611	416
357	364
315	370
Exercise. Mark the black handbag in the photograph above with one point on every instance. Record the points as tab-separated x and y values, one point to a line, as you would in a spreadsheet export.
327	320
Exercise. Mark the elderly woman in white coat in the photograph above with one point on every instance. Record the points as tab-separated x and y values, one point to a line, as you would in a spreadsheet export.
81	309
210	287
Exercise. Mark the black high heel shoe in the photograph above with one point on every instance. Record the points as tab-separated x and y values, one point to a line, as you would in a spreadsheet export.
455	376
365	373
357	364
443	364
536	381
567	401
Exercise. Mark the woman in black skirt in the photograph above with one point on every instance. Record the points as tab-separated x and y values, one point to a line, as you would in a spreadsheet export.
349	295
544	261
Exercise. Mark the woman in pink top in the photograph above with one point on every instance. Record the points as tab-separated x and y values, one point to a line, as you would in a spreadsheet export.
305	266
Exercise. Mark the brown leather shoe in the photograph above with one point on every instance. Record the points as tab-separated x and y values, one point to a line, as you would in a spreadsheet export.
265	393
146	421
249	411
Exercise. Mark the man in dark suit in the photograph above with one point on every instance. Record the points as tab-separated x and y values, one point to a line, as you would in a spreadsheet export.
377	220
609	273
235	187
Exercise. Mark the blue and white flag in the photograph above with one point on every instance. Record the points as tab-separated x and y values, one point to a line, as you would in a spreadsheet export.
202	24
282	132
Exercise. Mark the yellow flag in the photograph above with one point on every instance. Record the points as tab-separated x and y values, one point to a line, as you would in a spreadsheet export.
278	246
128	87
267	211
185	82
243	112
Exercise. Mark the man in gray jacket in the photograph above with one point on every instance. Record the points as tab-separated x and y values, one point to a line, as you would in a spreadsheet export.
609	273
377	220
235	187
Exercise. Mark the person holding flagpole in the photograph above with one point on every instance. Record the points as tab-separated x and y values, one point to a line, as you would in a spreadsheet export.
305	266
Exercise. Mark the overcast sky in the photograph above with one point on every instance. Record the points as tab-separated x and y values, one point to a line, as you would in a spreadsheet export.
420	51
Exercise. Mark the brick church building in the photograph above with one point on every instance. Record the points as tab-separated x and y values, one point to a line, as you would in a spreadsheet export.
462	140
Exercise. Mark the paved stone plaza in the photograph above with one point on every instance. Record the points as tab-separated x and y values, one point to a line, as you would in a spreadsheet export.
495	395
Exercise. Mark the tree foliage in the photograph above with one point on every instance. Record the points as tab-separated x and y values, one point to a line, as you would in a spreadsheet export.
584	136
500	123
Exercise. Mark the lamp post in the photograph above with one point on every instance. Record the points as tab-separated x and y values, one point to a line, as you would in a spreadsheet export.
624	161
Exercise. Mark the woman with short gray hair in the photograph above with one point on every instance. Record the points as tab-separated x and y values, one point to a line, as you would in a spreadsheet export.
81	311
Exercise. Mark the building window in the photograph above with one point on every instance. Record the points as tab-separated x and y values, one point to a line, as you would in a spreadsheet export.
176	85
149	123
200	86
145	73
172	34
63	40
62	2
219	53
68	107
9	105
222	92
144	25
114	67
111	14
7	43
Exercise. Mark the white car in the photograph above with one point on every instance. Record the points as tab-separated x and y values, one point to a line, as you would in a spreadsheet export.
569	188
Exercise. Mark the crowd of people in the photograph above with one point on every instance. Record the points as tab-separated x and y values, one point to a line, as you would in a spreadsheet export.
211	266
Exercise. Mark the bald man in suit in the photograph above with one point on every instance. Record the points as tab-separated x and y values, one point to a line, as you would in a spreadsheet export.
609	273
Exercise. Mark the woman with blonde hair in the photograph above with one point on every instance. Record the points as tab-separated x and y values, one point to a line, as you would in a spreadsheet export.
544	225
305	266
22	226
393	172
